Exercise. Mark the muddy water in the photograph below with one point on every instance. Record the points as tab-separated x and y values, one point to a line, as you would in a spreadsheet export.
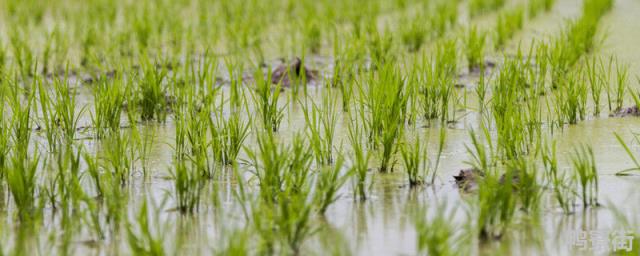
382	224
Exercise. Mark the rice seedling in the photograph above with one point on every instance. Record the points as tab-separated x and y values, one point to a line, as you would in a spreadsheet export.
444	17
436	234
120	156
474	48
21	181
321	128
232	134
572	98
147	234
188	186
329	181
151	92
109	99
563	184
596	83
49	120
497	204
360	160
477	7
508	23
622	81
414	35
584	165
414	159
266	100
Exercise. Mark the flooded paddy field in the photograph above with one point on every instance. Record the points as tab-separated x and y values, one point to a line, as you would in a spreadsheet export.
405	127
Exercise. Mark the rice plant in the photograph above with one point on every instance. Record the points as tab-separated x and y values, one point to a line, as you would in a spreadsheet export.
64	107
109	100
266	100
477	7
436	234
584	165
622	81
329	182
474	48
359	161
414	159
151	93
147	234
563	184
321	128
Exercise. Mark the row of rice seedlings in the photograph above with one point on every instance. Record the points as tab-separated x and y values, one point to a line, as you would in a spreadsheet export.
321	126
508	23
584	165
477	7
576	39
516	132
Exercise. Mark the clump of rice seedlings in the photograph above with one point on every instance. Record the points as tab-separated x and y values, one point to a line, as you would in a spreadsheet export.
231	135
482	157
445	17
265	99
49	120
312	36
596	82
121	156
508	23
109	99
525	177
414	35
535	6
359	161
329	181
385	101
584	165
192	141
571	98
146	235
151	92
414	159
506	105
321	126
441	139
379	46
65	109
271	161
21	181
436	234
474	42
477	7
563	184
437	79
497	204
636	139
622	81
188	186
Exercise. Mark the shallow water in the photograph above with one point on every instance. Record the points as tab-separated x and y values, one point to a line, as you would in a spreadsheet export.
382	224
